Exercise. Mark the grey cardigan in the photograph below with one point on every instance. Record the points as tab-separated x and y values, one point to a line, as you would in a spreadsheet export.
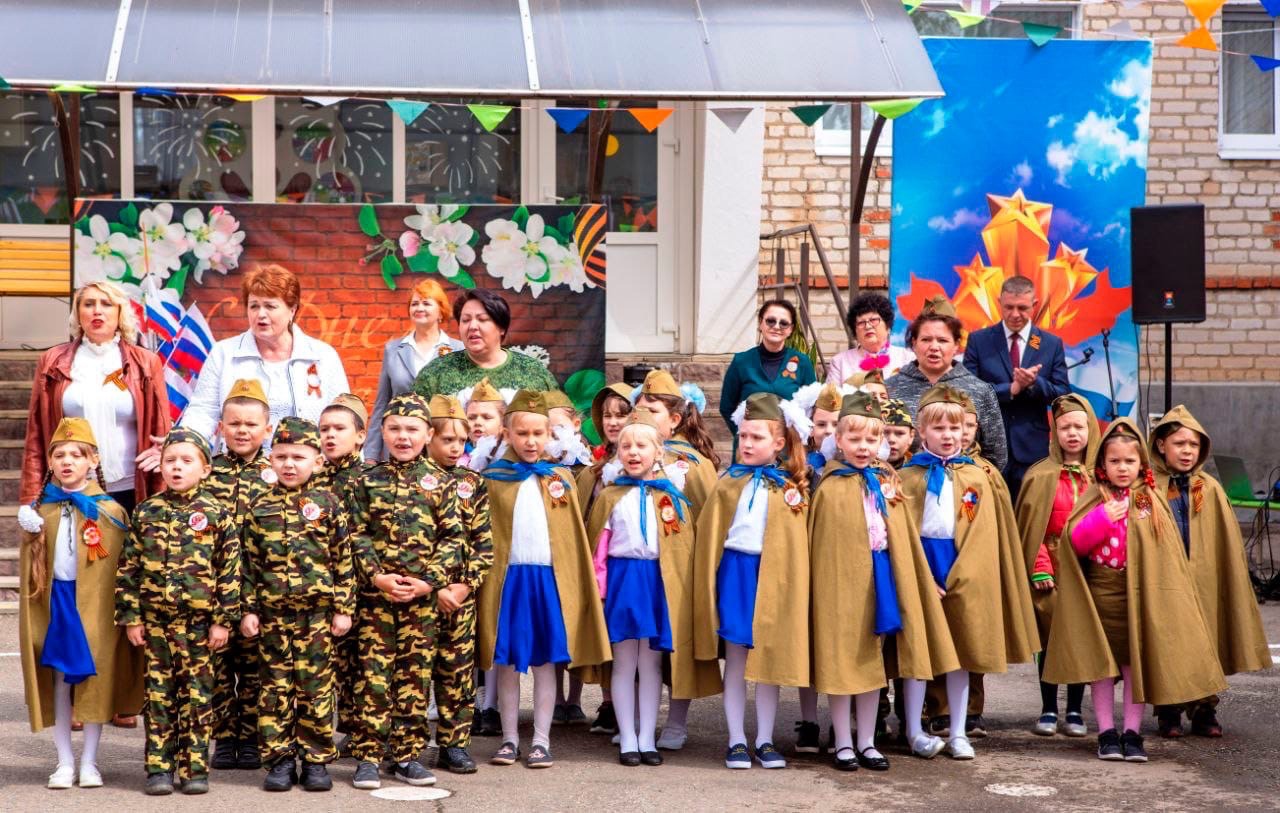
396	378
910	384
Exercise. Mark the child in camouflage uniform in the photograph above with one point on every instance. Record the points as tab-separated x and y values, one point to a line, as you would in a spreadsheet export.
240	476
298	595
408	542
453	667
178	595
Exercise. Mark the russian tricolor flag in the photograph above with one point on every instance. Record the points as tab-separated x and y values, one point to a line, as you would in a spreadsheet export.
179	390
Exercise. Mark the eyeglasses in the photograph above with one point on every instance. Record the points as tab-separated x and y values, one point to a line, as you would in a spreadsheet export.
777	323
870	321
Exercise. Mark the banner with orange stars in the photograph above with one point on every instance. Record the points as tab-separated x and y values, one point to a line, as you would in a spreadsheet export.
1029	170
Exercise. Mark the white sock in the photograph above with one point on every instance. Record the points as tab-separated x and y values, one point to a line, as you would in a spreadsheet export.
958	700
867	705
544	702
625	655
839	705
913	706
507	683
809	704
766	712
678	715
735	692
92	736
62	720
650	668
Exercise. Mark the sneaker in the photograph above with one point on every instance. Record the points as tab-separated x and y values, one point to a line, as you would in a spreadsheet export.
366	777
539	757
1204	723
196	786
939	726
574	715
1046	726
560	716
1109	746
1169	725
225	755
507	754
158	784
672	739
90	776
1131	744
248	757
737	757
490	723
412	773
315	777
606	720
1075	726
456	759
974	727
282	776
959	748
769	757
63	777
808	738
926	746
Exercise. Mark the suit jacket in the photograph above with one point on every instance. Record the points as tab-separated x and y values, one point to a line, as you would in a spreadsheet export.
1026	415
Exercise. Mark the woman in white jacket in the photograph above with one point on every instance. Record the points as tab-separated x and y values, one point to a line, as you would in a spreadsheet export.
300	375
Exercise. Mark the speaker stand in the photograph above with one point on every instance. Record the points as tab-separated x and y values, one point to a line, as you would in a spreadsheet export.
1168	366
1111	384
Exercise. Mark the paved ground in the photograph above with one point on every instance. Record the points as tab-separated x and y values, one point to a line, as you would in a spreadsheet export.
1240	771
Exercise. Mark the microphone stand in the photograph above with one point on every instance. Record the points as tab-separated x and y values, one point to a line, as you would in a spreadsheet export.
1111	384
1085	357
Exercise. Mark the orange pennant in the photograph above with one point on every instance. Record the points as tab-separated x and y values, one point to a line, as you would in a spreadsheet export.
1199	38
1203	10
650	117
244	97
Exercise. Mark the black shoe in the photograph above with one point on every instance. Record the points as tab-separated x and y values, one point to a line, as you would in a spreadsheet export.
315	777
974	728
366	777
1131	743
876	763
1109	746
939	727
225	755
195	786
490	723
412	773
456	759
651	758
606	720
159	784
808	738
842	763
282	776
248	757
1169	725
1204	723
630	759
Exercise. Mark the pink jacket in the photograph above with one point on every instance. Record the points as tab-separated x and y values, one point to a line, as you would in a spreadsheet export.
1104	542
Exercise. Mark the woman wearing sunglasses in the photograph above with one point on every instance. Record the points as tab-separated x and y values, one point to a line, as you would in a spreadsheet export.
770	366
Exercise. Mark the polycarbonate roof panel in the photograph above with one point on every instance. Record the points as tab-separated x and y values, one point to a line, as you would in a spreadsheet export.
64	41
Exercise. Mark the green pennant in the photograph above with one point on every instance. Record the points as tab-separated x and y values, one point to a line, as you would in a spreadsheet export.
893	108
1040	33
4	84
72	87
489	115
911	5
809	113
964	19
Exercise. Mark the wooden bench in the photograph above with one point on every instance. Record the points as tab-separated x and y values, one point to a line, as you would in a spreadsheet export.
35	267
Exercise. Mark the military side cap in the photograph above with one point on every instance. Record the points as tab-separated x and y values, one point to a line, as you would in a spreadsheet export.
409	405
247	388
297	430
619	389
484	391
642	417
446	406
181	434
660	382
763	406
556	399
938	305
863	404
829	399
866	376
75	430
942	394
352	402
895	414
967	403
529	401
1067	403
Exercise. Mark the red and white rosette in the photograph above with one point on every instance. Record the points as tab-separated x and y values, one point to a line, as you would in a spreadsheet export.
310	511
429	482
466	490
198	522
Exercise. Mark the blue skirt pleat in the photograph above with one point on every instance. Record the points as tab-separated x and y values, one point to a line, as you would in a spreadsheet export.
941	555
531	628
736	581
635	604
888	615
66	648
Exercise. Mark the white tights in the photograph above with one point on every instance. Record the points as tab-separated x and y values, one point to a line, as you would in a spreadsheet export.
544	702
958	700
735	699
62	727
629	658
866	706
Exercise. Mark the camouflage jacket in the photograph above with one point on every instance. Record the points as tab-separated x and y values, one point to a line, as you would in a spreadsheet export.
408	521
239	483
476	556
182	557
342	477
297	551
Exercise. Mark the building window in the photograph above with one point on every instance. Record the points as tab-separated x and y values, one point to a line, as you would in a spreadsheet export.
338	153
629	177
1247	121
192	148
32	183
831	133
450	158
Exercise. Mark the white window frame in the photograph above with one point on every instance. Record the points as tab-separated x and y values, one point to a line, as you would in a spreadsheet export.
1248	146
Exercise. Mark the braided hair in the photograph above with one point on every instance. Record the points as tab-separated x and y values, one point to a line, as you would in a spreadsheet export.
39	548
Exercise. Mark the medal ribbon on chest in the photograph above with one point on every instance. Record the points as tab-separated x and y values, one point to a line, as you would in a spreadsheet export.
93	541
1197	494
313	380
969	503
667	515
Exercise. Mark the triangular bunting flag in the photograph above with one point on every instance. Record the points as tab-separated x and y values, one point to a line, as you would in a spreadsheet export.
965	19
1199	38
155	92
650	117
1122	29
325	101
911	5
489	115
4	84
1040	33
809	113
72	87
1272	7
244	97
1203	10
568	118
893	108
732	117
1265	63
408	111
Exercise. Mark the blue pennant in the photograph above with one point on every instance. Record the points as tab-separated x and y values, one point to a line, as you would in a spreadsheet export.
568	118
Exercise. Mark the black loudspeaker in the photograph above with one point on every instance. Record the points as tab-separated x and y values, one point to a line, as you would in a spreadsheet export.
1166	248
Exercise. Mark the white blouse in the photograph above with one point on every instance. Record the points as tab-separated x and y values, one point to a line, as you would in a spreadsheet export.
108	408
939	521
64	553
530	538
746	534
443	346
627	541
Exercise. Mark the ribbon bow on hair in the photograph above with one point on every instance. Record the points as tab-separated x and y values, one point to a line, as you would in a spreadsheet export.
771	473
937	468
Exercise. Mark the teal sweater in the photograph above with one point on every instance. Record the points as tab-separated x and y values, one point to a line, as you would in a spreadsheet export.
746	377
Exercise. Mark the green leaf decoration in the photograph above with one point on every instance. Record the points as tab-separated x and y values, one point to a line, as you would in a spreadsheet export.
566	223
424	262
463	280
626	227
521	216
368	220
391	267
474	238
458	214
582	386
546	271
590	432
554	234
120	228
83	223
178	281
129	216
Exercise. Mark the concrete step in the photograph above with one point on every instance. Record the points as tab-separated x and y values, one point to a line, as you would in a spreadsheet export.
8	607
8	562
13	423
10	482
15	394
11	452
18	365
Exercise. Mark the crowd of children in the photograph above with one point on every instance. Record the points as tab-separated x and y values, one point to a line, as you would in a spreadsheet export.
278	593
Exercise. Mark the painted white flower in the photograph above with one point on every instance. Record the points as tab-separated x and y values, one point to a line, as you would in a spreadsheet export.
162	243
536	351
101	255
217	244
428	218
450	242
566	269
519	256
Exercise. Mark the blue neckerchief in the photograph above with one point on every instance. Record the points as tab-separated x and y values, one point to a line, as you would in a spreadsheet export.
86	505
660	484
518	471
684	449
816	460
937	468
468	447
771	473
871	480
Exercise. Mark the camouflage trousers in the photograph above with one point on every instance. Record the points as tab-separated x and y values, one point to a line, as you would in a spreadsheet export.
179	686
235	690
453	671
397	643
346	674
295	707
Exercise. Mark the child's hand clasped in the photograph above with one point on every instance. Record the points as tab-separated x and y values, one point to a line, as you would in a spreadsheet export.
341	625
249	626
136	634
218	636
449	599
398	588
1117	510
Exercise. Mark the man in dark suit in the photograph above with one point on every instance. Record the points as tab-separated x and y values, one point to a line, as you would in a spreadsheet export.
1028	369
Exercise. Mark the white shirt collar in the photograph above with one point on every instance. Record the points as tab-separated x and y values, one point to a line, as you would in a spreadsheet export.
1024	335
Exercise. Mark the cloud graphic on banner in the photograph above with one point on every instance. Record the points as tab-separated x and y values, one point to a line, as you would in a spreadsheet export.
1104	142
961	218
1022	174
937	121
1053	121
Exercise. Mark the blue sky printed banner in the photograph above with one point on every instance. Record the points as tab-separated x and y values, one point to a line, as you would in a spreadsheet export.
1029	165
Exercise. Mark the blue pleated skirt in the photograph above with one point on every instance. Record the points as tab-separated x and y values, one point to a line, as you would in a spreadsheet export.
888	614
635	604
736	581
530	622
941	555
66	648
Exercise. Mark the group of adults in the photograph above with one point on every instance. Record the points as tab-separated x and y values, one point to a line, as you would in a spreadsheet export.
1012	370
